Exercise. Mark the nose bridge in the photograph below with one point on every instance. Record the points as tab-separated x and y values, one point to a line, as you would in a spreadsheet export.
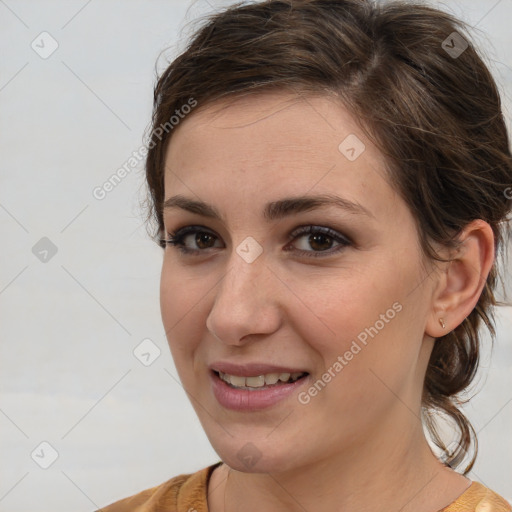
247	269
243	300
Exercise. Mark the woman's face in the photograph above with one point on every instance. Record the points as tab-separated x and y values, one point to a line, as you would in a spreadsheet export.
348	307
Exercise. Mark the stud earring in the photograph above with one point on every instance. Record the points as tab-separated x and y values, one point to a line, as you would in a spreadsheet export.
441	321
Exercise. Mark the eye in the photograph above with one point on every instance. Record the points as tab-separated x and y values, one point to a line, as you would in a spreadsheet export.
203	239
319	238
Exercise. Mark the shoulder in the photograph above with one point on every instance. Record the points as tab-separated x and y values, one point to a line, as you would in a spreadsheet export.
183	492
479	498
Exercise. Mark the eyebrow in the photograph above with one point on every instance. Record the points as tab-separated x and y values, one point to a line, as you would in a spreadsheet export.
273	210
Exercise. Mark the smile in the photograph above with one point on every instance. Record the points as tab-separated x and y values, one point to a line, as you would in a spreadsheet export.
260	381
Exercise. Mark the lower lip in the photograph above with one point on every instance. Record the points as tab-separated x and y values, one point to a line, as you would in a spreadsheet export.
246	400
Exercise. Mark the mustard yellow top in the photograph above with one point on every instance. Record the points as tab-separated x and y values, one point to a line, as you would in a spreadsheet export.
188	492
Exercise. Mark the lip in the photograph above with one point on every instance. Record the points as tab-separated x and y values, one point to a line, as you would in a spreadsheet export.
256	399
252	369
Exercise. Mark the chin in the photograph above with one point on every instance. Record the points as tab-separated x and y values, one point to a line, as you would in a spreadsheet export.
256	454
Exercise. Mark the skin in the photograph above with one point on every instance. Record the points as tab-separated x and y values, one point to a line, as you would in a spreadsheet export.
358	444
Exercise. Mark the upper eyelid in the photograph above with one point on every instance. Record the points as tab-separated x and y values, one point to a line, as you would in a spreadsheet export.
325	216
190	227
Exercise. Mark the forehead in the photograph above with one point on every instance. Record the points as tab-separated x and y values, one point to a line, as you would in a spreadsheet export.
273	144
272	120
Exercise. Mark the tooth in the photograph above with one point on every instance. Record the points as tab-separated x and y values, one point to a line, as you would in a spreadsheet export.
260	380
271	378
237	380
255	382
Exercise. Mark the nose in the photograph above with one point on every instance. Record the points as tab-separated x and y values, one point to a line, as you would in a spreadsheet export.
246	302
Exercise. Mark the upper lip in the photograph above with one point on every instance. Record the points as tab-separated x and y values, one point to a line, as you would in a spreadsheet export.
251	369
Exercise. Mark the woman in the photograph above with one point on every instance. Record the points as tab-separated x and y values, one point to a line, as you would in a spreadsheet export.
329	182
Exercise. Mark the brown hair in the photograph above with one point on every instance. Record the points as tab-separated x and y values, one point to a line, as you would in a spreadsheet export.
435	115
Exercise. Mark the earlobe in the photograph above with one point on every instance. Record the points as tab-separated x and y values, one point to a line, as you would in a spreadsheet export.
462	280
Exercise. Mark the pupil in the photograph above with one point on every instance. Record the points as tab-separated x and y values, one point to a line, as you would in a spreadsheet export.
201	238
314	238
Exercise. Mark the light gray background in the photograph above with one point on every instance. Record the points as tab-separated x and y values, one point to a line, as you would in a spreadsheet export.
69	326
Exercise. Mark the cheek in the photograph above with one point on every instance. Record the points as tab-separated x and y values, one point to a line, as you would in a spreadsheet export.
370	320
168	298
179	306
180	292
350	306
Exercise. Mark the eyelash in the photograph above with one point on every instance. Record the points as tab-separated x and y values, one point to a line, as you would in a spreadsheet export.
176	239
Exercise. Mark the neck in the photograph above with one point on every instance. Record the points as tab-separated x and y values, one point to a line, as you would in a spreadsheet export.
391	472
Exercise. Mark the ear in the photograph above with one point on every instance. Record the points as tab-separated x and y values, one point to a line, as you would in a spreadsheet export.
462	280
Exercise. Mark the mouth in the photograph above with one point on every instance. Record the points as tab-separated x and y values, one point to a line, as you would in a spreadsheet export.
255	392
260	382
